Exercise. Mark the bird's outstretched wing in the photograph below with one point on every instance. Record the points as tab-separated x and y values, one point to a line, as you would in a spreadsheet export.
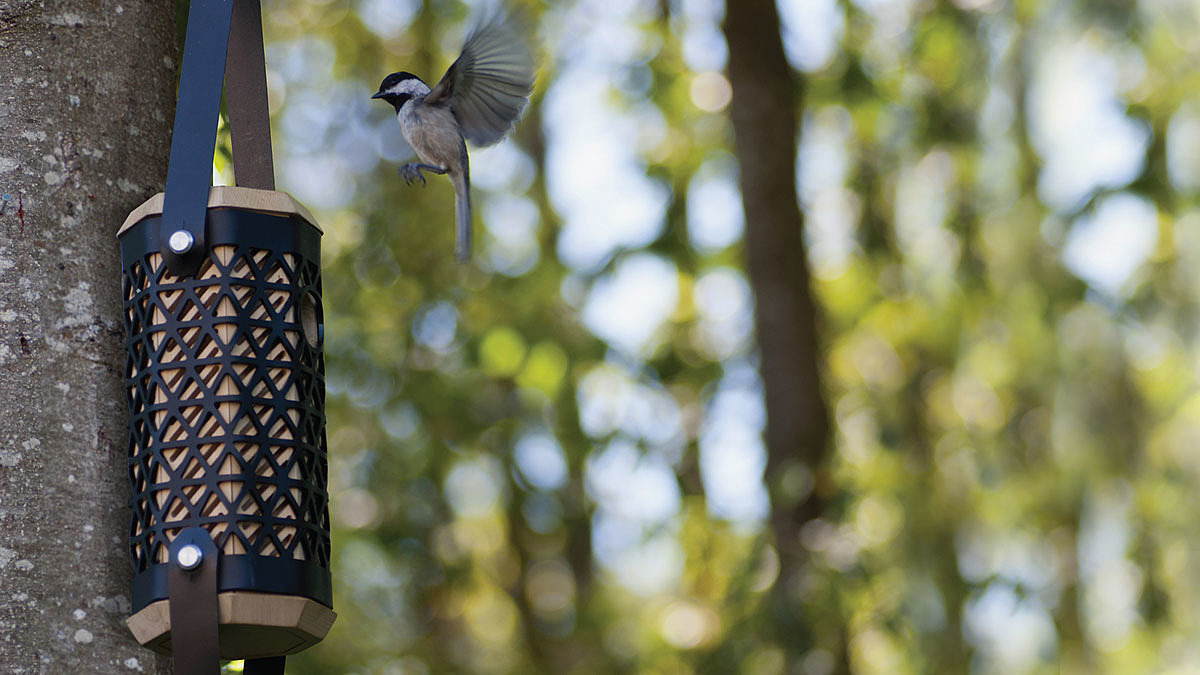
489	85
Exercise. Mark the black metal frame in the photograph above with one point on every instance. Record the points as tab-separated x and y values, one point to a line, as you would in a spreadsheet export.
274	342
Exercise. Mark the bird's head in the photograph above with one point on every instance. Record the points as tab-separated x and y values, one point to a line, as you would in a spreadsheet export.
398	88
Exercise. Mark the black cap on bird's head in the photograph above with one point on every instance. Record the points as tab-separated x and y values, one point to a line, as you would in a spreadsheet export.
398	88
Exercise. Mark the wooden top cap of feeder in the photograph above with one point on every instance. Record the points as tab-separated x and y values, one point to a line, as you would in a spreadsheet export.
225	196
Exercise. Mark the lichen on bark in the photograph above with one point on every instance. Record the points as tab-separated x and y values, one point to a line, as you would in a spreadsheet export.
86	102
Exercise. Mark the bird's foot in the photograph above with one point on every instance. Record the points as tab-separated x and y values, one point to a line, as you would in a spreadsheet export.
411	172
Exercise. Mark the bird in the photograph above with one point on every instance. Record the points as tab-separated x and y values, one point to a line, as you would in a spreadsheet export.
479	99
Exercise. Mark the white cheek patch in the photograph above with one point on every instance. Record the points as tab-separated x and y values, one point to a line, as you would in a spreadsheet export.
410	87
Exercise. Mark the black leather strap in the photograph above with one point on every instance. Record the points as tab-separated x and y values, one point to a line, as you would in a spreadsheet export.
224	45
189	175
193	608
246	93
269	666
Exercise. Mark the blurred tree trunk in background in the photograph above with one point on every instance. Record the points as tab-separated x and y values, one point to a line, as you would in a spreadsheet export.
85	115
765	98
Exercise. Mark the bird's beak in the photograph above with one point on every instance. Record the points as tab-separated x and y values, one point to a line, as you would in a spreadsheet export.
379	94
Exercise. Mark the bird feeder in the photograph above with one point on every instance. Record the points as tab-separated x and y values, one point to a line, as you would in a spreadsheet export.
229	534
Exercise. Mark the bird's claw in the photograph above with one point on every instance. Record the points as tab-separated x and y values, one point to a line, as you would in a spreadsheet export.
411	173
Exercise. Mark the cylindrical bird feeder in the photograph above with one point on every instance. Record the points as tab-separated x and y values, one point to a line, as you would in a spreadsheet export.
229	534
227	424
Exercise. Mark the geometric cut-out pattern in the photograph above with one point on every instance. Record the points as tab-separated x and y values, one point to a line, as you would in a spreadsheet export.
226	394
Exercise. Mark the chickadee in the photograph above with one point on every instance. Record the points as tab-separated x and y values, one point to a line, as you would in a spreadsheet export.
479	99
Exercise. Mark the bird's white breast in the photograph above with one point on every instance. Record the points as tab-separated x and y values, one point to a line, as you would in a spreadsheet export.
432	132
409	120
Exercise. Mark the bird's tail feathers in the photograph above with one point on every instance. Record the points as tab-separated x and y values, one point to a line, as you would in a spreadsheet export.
462	215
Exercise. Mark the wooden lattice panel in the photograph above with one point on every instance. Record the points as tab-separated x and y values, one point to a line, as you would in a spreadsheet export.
226	395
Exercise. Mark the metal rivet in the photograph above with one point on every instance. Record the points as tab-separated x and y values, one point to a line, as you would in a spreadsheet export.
181	241
189	557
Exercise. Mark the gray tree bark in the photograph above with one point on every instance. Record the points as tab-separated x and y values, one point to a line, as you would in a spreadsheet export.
86	104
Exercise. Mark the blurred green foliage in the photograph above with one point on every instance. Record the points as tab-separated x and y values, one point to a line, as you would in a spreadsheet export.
1013	471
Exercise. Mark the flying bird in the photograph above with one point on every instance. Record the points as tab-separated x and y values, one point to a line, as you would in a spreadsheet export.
479	99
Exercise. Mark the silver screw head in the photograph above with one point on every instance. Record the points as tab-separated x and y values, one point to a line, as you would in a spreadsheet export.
189	557
181	241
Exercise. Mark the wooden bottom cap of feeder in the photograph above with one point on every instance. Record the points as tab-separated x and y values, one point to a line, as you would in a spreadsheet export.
252	625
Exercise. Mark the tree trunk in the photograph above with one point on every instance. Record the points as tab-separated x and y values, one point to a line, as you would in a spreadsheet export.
86	104
763	110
